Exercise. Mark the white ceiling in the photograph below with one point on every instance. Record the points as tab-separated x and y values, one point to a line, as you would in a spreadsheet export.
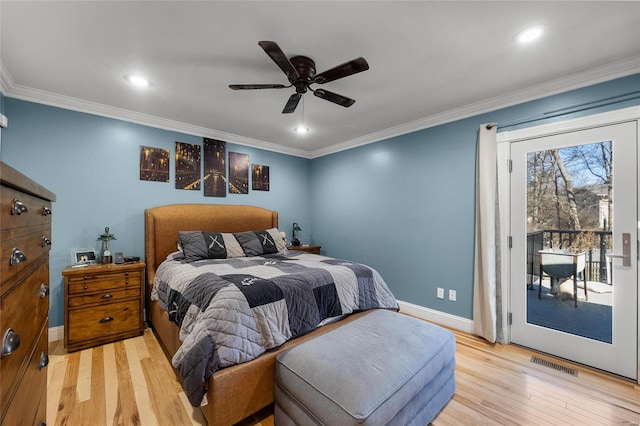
430	62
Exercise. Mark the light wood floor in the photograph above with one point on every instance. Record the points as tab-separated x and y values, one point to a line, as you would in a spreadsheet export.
132	383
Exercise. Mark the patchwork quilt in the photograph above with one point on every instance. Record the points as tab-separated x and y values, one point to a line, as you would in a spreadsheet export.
231	311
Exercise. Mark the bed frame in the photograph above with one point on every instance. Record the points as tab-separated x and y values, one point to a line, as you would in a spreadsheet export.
233	393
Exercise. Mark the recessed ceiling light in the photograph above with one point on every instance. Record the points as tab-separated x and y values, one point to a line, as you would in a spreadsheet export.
301	130
530	34
137	80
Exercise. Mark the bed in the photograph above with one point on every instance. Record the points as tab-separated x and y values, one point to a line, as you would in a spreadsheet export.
238	391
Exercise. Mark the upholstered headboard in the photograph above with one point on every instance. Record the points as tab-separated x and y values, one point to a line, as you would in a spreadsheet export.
163	223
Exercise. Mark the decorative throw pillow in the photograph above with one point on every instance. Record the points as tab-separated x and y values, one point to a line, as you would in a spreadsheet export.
257	243
278	238
198	245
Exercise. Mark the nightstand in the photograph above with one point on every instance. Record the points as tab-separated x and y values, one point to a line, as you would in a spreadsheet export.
308	249
102	304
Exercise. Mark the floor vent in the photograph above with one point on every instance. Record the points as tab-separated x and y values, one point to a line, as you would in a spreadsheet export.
553	365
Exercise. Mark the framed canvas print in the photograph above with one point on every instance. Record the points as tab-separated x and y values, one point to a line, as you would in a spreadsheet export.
154	164
259	177
187	166
238	173
215	168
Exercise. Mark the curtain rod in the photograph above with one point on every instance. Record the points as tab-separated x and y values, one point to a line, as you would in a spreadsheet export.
612	100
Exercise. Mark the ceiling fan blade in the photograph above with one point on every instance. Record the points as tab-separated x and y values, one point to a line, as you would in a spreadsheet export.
256	86
292	103
272	49
334	97
343	70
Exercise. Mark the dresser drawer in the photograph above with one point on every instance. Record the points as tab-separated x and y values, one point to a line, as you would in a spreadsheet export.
100	282
38	210
24	310
104	297
21	249
104	320
29	402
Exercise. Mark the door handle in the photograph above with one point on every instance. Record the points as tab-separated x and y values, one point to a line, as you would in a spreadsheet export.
626	250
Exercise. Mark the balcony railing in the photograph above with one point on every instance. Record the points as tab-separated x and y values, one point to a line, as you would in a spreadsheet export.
559	239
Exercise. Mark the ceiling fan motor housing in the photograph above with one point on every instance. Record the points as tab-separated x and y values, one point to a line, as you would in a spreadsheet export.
306	70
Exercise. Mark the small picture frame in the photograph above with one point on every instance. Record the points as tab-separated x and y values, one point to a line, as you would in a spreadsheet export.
83	256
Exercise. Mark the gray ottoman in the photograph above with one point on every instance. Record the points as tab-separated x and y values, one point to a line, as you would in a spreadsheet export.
383	368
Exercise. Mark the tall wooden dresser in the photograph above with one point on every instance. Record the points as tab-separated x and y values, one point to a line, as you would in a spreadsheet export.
25	231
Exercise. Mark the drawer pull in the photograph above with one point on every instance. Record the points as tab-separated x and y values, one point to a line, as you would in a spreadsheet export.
42	423
44	360
106	319
10	342
17	256
107	296
44	290
18	207
45	241
46	211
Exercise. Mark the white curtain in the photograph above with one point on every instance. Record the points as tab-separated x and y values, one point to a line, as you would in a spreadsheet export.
487	298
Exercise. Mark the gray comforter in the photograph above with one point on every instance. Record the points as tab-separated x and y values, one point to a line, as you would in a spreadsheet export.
232	310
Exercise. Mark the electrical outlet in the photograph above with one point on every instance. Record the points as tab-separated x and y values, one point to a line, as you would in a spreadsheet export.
452	295
440	293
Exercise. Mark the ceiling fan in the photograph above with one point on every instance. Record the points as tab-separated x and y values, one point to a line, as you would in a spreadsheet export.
301	73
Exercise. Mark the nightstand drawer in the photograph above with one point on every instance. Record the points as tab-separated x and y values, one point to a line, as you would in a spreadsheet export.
106	296
92	282
105	320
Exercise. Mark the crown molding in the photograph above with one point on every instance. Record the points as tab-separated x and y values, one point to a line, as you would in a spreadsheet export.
74	104
6	82
589	77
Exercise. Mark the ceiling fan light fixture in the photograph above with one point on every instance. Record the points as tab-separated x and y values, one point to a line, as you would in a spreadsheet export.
137	80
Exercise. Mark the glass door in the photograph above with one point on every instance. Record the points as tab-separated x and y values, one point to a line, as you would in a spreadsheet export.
574	259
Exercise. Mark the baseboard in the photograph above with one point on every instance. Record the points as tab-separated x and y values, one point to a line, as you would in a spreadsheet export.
56	333
442	318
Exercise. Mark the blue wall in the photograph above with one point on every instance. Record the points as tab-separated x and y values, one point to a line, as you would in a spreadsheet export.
91	163
404	205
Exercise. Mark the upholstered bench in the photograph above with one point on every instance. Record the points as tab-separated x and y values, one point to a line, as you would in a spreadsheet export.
383	368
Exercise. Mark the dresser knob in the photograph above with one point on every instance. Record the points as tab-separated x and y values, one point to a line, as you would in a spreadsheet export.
107	296
45	241
46	211
44	360
17	256
18	207
42	423
10	342
106	319
44	290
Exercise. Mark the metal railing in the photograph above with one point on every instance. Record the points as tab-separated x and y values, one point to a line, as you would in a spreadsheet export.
559	239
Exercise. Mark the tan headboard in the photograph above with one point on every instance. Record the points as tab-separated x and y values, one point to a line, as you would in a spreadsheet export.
163	223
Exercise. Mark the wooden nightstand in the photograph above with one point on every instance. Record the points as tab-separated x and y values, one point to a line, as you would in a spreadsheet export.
308	249
102	304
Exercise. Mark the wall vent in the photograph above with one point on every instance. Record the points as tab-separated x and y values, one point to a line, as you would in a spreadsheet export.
550	364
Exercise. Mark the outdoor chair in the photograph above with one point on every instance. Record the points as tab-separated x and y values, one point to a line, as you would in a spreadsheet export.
563	265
